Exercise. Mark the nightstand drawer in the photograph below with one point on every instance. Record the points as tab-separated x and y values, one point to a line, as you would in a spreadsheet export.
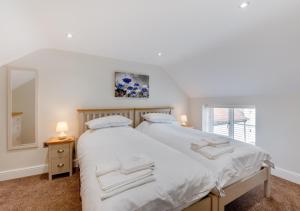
60	165
60	150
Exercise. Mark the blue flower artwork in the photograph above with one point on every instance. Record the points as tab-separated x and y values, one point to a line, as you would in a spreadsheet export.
131	85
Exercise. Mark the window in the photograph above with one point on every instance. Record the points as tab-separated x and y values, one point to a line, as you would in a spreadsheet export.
237	122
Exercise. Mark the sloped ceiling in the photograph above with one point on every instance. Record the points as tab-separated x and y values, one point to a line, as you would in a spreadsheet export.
263	60
210	47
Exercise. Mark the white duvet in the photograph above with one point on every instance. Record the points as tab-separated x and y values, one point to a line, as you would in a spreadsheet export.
180	180
228	168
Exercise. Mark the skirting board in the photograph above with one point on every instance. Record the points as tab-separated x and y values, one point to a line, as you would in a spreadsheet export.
41	169
23	172
287	175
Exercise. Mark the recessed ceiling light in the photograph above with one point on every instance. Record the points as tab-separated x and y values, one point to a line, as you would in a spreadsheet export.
69	35
244	5
159	54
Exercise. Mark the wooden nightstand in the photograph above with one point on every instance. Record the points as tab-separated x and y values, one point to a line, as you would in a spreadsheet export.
60	156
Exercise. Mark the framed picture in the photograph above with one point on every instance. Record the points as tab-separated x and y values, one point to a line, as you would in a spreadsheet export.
131	85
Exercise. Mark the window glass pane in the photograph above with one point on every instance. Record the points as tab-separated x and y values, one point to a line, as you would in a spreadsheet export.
237	123
244	125
221	122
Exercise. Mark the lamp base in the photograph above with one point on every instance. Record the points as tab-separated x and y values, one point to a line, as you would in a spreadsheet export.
62	136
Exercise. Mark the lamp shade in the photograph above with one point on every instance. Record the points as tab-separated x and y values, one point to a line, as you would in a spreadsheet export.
183	118
62	127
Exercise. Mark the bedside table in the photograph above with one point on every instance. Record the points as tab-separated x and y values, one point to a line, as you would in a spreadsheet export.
60	155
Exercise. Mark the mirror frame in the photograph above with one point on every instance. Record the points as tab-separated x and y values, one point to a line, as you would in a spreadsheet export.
9	109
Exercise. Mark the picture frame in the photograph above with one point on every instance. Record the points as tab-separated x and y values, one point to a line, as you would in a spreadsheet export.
131	85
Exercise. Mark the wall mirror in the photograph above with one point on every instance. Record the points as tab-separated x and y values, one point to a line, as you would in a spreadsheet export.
22	108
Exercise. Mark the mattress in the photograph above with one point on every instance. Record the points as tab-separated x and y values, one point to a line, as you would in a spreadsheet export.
180	180
228	168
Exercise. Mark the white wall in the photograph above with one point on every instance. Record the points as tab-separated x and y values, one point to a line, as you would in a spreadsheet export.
277	124
68	81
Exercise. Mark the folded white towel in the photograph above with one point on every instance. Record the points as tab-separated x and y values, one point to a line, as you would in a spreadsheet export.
212	153
115	179
216	140
195	145
221	145
110	193
106	167
136	163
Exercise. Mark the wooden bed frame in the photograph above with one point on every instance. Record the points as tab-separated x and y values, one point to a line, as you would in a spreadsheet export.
212	202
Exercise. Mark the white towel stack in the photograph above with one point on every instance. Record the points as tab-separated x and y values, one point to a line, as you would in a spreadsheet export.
106	167
136	163
198	144
213	153
214	141
117	176
215	147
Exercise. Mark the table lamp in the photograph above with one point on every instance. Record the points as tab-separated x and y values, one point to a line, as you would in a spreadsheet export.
61	128
183	119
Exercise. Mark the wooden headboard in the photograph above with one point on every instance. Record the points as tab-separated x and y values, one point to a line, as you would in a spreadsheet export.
135	114
86	115
139	112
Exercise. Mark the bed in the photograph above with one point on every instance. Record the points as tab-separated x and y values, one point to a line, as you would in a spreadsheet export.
237	173
181	183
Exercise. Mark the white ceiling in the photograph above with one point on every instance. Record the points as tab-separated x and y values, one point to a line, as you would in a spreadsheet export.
136	30
19	34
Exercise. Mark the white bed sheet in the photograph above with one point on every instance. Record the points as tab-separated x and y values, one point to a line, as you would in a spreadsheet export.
180	180
228	168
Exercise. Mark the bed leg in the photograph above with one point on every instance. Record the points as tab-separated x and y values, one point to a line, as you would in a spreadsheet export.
267	183
221	207
216	203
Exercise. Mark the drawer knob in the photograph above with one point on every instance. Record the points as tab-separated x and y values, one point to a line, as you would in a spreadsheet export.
60	165
60	150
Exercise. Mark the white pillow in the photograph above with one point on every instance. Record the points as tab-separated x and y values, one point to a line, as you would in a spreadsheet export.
159	118
108	121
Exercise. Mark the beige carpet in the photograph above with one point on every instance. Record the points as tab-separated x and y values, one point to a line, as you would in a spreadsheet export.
37	193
